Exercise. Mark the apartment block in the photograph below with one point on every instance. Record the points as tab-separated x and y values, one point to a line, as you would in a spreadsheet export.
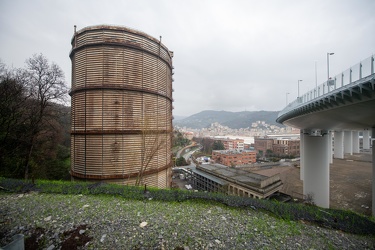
233	144
234	158
286	147
261	145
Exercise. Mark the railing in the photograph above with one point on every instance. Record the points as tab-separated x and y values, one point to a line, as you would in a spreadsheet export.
361	70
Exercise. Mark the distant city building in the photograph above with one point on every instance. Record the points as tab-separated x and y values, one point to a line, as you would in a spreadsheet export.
286	147
233	144
189	135
257	129
231	181
261	145
231	158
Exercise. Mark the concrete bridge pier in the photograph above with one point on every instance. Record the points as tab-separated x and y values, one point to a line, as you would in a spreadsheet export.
373	170
316	167
348	145
301	156
355	141
330	147
339	145
366	141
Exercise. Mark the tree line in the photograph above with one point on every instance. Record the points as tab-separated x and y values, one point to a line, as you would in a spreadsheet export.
209	144
34	121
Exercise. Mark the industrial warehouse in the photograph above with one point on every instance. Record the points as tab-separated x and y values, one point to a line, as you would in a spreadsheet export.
232	181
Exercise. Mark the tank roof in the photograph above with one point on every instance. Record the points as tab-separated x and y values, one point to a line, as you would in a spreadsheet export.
117	27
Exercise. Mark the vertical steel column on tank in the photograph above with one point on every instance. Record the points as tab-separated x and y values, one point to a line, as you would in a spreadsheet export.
355	141
348	145
316	172
339	145
366	141
373	170
301	164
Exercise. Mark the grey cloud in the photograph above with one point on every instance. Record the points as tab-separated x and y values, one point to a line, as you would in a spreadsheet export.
229	55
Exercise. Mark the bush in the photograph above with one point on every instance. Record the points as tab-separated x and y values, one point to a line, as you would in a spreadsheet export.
181	161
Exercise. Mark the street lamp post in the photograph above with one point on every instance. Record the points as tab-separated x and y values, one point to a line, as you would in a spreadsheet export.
287	98
328	54
298	86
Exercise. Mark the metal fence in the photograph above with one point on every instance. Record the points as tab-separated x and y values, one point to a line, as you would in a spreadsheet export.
361	70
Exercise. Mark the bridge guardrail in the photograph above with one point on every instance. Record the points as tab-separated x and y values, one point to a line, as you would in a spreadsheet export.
360	70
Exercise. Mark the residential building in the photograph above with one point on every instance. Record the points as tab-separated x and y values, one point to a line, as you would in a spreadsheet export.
262	144
189	135
233	144
231	158
286	147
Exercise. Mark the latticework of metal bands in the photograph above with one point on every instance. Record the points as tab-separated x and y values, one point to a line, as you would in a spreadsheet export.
121	101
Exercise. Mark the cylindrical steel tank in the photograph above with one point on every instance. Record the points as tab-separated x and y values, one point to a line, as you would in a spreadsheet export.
121	103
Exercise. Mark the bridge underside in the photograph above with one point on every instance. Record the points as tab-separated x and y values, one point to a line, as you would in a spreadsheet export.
346	111
357	116
348	108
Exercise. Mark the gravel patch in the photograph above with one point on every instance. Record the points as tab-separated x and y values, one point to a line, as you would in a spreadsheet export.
105	222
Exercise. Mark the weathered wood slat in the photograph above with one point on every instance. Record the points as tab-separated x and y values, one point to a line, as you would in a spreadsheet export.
104	57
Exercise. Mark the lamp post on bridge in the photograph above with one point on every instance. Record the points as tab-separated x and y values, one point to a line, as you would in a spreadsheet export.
287	98
328	54
298	87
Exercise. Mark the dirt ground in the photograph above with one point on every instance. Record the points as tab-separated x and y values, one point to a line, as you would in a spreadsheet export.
350	182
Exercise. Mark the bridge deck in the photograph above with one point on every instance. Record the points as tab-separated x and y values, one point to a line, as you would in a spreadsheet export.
350	107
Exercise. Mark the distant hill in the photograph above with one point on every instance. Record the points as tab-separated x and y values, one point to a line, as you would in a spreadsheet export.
233	120
178	117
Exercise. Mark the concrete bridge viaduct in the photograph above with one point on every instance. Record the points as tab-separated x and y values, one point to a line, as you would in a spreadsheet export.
331	118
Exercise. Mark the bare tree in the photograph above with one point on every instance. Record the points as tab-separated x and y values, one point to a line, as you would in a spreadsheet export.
12	106
45	86
12	100
152	142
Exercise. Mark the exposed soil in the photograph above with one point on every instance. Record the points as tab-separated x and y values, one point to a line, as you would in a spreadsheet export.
71	240
75	238
36	240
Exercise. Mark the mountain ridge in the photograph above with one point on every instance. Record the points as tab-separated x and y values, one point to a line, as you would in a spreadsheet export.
234	120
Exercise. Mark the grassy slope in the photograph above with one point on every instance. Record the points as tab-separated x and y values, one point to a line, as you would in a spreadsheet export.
182	221
190	223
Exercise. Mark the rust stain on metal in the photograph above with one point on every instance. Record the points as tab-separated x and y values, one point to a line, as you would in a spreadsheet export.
121	106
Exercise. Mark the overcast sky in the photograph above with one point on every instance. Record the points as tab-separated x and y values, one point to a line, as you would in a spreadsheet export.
228	55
